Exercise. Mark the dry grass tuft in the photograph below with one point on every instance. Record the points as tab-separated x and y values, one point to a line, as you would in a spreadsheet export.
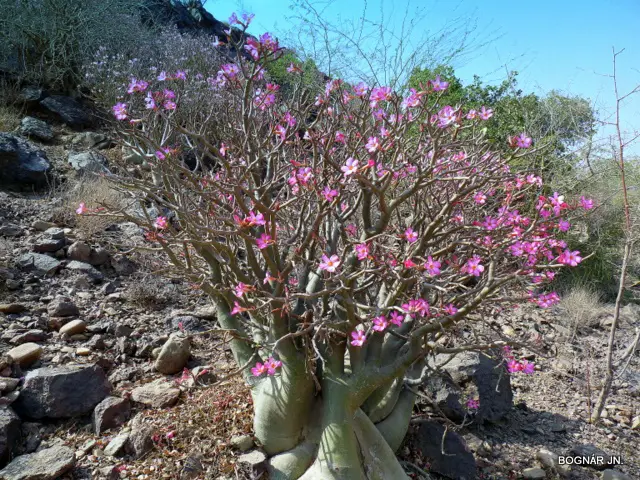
95	193
151	292
581	305
9	118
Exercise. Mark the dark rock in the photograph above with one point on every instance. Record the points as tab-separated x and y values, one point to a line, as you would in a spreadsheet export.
111	412
457	462
85	268
79	251
8	308
446	395
34	127
48	464
11	230
88	162
590	450
29	336
54	233
140	440
21	162
61	392
62	307
122	265
38	263
108	288
48	245
490	378
71	112
99	256
9	434
32	94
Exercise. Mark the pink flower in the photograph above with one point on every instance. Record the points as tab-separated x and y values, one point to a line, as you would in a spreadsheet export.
408	263
180	75
160	223
362	250
358	338
259	369
473	267
120	111
162	77
82	208
380	323
264	241
472	114
170	105
268	277
290	119
473	404
450	309
396	318
528	367
330	264
446	116
485	113
241	288
329	193
379	94
439	85
522	141
570	258
237	308
586	203
564	226
373	145
271	364
293	69
137	86
254	219
170	435
432	266
350	167
514	366
480	198
340	137
281	132
360	89
410	235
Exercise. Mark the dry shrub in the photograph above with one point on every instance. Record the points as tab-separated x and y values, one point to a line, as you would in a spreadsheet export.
9	118
582	306
94	192
151	292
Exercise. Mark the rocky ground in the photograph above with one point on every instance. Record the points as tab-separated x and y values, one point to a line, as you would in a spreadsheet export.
107	371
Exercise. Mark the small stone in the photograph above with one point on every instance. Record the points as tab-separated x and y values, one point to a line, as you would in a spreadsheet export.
30	336
141	439
174	355
635	423
611	474
79	251
116	445
534	473
108	288
62	307
11	231
83	351
8	384
47	464
110	413
85	268
254	462
91	140
157	394
48	245
42	226
55	233
88	162
9	308
99	256
242	442
74	327
25	354
34	127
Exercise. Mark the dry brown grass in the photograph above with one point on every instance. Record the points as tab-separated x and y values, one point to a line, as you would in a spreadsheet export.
95	193
151	292
9	118
581	306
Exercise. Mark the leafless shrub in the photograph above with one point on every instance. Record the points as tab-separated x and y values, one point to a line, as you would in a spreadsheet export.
151	292
582	306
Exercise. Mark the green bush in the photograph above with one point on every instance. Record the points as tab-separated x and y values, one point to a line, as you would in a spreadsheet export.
46	42
311	78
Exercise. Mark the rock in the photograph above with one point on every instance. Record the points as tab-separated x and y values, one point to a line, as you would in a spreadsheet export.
109	473
55	233
157	394
185	323
34	127
635	423
457	462
62	392
9	308
21	162
611	474
490	378
88	162
99	256
242	442
446	395
25	354
122	265
110	413
83	351
9	398
116	445
91	140
71	112
8	384
9	434
62	307
174	355
31	94
85	268
11	230
140	440
40	264
192	468
74	327
47	464
41	225
590	450
253	464
534	473
48	245
31	336
79	251
207	313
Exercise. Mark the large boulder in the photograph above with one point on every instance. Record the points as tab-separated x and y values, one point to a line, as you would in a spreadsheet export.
9	434
38	263
71	112
47	464
451	457
490	378
34	127
88	162
21	162
62	392
111	412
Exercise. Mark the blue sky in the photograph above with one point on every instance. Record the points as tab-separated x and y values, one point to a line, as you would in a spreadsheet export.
563	44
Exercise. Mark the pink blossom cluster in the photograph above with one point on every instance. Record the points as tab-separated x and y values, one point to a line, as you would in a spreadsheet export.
269	367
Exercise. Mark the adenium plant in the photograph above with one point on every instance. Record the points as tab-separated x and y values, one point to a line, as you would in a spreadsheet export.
344	241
